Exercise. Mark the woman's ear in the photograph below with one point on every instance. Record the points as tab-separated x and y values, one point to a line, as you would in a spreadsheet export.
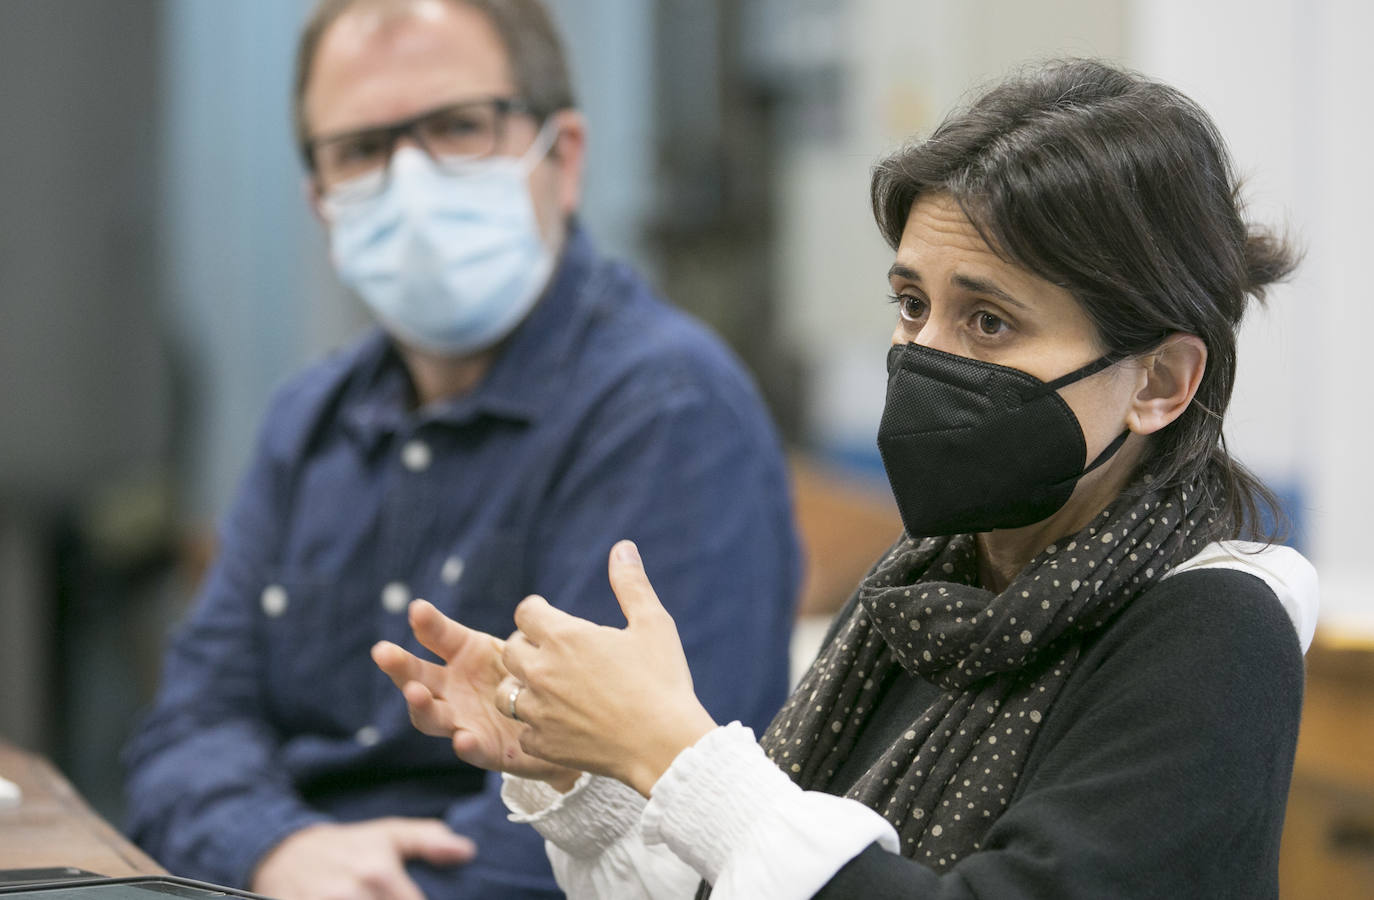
1172	373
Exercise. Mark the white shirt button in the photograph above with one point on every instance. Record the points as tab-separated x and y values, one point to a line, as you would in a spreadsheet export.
367	735
395	597
416	456
452	570
274	600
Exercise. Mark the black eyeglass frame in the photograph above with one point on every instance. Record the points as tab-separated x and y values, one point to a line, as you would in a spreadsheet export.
392	132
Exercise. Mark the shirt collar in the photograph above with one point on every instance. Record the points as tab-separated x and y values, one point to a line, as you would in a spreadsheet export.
521	379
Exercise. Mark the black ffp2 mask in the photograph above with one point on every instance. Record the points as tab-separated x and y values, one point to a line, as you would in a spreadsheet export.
973	446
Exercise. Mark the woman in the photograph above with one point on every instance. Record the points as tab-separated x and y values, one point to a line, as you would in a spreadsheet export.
1057	683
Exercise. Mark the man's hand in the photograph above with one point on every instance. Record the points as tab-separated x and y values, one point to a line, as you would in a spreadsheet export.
360	861
459	699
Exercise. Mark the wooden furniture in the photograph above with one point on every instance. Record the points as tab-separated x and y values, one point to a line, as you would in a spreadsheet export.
1328	838
845	523
53	826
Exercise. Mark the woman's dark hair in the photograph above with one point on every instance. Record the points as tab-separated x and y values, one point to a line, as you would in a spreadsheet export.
1119	190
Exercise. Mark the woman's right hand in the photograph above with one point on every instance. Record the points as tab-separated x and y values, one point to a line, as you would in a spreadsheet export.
458	699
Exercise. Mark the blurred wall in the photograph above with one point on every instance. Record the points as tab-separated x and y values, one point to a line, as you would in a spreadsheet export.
610	46
1256	68
82	356
1336	117
905	64
247	290
87	400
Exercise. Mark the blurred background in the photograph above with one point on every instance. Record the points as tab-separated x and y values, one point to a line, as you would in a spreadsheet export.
160	272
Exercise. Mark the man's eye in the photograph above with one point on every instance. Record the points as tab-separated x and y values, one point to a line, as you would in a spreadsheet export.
362	148
459	133
453	126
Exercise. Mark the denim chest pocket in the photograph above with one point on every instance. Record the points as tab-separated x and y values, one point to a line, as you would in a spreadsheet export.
315	634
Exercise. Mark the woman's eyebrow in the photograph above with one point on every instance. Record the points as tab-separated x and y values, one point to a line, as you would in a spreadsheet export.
981	286
967	282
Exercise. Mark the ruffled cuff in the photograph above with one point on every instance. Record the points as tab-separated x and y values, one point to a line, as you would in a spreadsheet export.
704	806
586	820
727	811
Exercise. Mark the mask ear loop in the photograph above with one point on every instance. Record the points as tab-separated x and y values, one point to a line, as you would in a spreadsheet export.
543	143
1102	362
1108	452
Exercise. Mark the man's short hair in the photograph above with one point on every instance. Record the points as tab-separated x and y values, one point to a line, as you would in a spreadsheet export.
533	47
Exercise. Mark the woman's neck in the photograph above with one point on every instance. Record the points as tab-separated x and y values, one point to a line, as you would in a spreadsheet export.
1004	553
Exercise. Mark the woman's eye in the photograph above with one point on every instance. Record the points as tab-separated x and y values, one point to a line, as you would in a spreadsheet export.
990	324
910	307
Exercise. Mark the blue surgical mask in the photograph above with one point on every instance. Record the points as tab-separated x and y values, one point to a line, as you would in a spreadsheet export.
451	259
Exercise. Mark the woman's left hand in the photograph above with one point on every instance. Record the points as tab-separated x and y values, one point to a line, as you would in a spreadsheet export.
614	701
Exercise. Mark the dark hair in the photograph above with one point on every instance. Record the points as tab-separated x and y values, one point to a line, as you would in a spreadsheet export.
538	63
1120	190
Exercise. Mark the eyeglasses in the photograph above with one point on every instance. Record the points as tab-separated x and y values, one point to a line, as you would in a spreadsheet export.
451	135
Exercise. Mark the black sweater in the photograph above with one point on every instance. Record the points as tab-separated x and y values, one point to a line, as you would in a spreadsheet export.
1162	769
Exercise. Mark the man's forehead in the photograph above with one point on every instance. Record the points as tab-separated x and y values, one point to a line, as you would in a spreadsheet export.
380	62
372	20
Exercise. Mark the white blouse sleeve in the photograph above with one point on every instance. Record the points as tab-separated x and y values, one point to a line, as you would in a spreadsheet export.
723	812
737	819
593	839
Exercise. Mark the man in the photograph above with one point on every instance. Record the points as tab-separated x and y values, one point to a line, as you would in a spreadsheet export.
526	404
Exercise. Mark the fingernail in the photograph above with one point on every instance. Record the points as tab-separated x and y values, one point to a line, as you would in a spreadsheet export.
627	552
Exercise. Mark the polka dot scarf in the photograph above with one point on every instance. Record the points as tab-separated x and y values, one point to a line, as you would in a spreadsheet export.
1000	660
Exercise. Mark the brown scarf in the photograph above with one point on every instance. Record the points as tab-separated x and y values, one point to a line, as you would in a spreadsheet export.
1000	660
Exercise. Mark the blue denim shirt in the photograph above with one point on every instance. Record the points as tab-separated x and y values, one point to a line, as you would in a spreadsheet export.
607	415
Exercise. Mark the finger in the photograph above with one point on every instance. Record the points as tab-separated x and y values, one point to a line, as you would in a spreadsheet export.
468	746
401	666
389	881
428	714
532	617
440	634
520	639
519	654
397	886
515	657
482	749
537	619
430	840
507	696
631	584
